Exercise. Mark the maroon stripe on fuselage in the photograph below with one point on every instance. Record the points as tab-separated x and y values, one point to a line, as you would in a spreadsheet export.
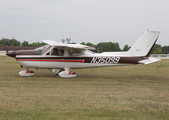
131	60
122	60
52	60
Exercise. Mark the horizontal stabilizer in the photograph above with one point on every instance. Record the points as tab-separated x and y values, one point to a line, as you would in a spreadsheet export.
148	61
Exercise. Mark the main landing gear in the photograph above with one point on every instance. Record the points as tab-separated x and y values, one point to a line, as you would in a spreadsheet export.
67	74
64	73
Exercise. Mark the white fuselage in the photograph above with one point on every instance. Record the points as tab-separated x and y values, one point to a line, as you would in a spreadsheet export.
96	60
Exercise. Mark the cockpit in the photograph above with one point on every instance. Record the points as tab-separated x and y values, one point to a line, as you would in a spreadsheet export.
58	51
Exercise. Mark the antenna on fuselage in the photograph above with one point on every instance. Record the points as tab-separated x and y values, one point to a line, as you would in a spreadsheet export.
68	40
63	40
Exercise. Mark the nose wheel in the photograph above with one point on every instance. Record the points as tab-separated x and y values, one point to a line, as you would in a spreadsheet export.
26	73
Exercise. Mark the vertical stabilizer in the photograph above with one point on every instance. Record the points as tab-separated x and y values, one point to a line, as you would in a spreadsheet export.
144	44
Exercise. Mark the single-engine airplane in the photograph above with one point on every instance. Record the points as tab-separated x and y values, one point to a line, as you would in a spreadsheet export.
60	57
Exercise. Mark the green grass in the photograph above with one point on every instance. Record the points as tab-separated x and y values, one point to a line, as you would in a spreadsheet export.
112	93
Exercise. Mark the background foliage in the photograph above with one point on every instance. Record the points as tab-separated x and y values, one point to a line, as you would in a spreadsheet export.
100	47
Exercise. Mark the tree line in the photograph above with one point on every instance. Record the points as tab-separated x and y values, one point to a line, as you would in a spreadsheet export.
14	42
100	47
110	47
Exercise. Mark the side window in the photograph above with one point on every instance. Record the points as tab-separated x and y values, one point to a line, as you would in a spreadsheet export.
57	52
75	52
61	52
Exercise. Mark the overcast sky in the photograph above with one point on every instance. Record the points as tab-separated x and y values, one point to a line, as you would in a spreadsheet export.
122	21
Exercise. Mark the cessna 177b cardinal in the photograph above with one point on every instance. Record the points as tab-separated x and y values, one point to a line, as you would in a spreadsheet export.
61	56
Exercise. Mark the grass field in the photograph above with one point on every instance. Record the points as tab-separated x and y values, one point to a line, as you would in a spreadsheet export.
124	92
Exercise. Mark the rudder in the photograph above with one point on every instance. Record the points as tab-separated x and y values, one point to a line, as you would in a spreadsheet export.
144	44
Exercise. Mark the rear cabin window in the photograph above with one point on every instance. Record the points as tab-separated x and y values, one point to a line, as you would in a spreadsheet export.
74	52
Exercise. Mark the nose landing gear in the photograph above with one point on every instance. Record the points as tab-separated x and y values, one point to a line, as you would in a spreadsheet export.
26	73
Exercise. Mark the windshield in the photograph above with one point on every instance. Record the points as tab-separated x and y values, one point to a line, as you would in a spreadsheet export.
42	48
46	49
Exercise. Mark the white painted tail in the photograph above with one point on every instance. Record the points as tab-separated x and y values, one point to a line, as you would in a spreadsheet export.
144	44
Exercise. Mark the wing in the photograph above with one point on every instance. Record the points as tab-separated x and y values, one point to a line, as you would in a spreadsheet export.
60	44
